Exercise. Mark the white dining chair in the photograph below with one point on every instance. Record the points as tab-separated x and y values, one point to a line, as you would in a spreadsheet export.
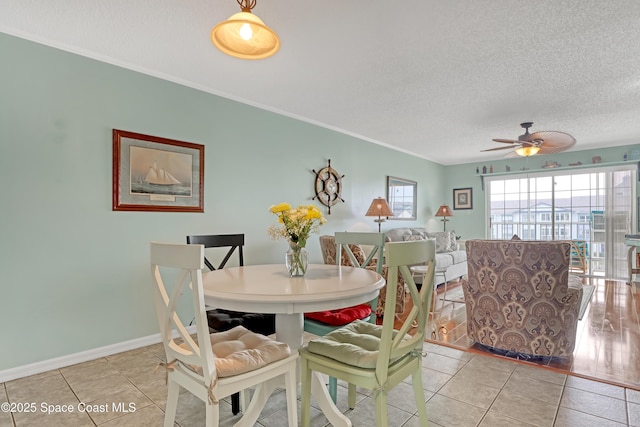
213	366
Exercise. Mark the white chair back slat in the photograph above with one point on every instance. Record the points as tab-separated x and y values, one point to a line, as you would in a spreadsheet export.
191	363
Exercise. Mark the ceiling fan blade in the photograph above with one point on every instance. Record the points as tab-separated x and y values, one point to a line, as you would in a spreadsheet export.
554	142
555	138
507	141
499	148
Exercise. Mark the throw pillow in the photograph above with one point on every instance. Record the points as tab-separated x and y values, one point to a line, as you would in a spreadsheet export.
341	316
454	241
412	237
443	240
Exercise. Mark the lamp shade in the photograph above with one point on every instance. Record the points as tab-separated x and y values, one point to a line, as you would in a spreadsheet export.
444	210
379	207
245	36
527	150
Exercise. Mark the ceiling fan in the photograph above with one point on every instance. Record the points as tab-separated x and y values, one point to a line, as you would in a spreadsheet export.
543	142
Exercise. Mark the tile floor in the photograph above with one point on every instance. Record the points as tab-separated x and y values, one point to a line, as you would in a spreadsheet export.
462	389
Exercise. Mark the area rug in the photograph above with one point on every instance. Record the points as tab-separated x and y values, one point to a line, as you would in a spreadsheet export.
587	292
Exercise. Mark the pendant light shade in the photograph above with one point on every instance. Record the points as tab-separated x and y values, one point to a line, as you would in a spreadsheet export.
244	35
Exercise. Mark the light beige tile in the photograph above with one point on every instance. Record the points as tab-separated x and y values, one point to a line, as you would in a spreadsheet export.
157	350
633	395
476	394
364	414
280	418
596	387
571	418
531	387
594	404
91	369
448	351
278	400
480	374
94	388
480	361
524	409
343	391
137	357
442	363
431	380
540	373
402	397
414	421
116	404
449	412
493	419
142	374
72	416
6	420
191	410
156	391
634	414
40	388
148	416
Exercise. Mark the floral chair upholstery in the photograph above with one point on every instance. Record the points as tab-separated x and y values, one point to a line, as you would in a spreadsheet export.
520	298
328	246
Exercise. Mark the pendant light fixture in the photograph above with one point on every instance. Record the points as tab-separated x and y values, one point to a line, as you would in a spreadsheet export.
244	35
527	150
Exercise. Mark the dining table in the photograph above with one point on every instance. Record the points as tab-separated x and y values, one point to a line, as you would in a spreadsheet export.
269	289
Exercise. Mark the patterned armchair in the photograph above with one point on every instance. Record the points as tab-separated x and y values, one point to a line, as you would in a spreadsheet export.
520	298
328	246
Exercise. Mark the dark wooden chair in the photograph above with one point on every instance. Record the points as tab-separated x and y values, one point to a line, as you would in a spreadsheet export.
220	320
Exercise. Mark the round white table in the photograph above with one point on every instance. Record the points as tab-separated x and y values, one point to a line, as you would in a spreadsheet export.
269	289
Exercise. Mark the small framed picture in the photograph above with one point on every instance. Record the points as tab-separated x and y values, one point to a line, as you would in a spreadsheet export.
462	198
156	174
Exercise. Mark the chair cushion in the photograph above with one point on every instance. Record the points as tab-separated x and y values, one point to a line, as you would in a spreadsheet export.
341	316
239	350
355	344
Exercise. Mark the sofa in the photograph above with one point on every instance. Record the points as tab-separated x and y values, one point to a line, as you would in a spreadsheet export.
520	298
451	258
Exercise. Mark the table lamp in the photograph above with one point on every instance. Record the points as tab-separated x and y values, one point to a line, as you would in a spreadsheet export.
444	211
379	207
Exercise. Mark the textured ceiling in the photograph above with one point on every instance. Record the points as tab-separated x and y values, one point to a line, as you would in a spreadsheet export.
438	79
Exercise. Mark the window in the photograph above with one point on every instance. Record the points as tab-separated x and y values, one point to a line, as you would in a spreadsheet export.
594	205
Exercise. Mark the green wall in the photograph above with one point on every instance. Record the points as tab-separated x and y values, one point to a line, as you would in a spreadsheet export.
74	273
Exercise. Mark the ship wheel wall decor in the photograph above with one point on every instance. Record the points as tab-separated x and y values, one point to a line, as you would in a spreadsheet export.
328	186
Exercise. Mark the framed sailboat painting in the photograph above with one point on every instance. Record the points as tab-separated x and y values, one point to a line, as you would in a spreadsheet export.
156	174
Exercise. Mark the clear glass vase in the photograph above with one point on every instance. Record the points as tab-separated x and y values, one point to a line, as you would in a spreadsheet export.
297	260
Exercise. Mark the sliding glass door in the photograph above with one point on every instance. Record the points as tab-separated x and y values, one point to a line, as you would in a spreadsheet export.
594	208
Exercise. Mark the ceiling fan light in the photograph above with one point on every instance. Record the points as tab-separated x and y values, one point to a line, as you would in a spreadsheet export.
526	151
245	36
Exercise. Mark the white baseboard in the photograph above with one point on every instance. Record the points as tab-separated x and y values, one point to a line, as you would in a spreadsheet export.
83	356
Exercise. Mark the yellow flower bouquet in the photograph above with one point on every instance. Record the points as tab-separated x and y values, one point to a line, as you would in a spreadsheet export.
296	225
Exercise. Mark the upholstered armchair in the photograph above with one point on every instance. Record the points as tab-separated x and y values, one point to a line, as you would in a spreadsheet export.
328	246
520	298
